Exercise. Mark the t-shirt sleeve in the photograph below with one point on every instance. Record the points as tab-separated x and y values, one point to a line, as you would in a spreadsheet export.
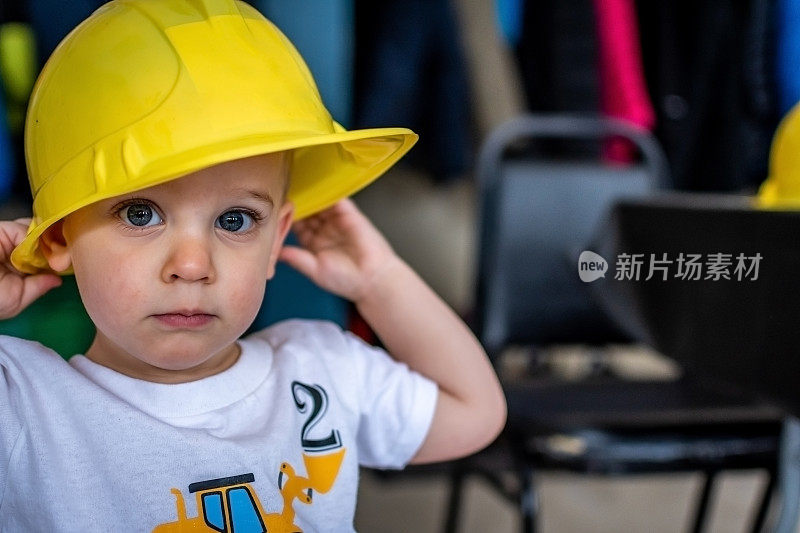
10	425
396	404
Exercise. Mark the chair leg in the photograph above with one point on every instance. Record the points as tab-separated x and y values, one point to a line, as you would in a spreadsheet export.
454	505
766	500
702	506
789	476
528	500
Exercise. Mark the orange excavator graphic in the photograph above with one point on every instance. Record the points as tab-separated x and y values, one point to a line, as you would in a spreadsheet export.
231	504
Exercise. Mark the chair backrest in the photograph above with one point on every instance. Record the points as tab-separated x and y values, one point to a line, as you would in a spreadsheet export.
536	215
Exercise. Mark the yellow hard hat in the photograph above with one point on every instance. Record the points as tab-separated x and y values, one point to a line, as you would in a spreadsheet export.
781	190
146	91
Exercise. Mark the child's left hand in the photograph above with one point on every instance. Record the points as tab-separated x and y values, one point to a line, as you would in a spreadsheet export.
341	251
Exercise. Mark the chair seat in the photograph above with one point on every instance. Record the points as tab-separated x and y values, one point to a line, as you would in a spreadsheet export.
605	452
608	425
546	405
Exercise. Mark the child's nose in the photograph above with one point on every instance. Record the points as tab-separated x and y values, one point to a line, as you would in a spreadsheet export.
190	259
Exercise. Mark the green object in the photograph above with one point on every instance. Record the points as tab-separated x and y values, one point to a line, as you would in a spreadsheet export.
18	69
58	320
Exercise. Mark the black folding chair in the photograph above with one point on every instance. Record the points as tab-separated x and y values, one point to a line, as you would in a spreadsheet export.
537	213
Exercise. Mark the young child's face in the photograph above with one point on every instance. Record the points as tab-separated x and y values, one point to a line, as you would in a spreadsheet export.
172	275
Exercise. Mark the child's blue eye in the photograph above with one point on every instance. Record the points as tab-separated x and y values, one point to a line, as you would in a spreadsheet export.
235	221
140	215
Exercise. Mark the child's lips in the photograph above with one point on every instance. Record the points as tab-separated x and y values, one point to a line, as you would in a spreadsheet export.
184	319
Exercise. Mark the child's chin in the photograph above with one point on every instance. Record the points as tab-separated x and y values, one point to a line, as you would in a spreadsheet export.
188	359
179	362
173	365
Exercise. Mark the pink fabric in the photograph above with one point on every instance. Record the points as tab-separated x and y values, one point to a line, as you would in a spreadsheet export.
623	91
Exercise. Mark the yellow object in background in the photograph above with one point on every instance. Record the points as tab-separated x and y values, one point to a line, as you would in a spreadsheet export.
781	190
17	69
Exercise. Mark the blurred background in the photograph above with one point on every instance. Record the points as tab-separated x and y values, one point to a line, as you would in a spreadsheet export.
706	81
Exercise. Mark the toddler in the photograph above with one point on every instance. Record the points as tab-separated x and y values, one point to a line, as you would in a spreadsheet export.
171	145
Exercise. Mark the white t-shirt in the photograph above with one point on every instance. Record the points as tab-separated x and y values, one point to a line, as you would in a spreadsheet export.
85	448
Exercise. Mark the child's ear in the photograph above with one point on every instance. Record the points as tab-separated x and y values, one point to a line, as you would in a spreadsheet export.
285	219
54	247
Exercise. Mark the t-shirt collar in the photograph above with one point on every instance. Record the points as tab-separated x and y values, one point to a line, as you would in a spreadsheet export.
185	399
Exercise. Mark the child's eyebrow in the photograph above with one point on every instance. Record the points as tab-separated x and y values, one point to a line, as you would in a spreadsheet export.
261	197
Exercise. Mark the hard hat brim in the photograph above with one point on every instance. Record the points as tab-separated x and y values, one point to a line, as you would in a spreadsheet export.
326	168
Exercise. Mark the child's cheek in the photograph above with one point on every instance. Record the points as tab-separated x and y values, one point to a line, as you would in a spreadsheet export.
108	300
246	299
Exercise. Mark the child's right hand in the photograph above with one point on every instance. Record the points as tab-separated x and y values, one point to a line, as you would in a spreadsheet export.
18	290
